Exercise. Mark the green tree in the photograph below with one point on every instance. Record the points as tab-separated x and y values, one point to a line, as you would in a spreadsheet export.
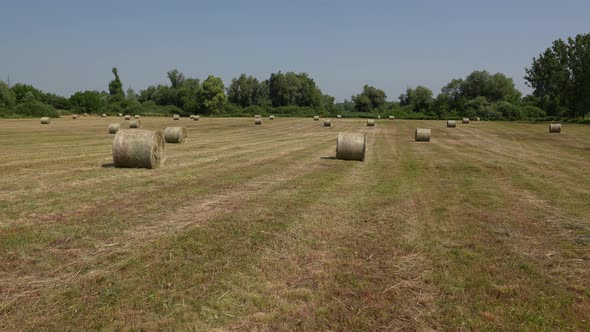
211	97
561	75
87	101
369	100
7	97
243	91
420	98
176	78
116	88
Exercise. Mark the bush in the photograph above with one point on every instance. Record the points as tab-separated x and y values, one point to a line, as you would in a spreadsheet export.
36	109
508	110
531	112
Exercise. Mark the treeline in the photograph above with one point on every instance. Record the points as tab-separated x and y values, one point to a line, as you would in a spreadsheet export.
559	77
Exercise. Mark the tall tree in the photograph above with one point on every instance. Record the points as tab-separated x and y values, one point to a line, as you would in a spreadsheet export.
116	87
176	78
370	99
211	96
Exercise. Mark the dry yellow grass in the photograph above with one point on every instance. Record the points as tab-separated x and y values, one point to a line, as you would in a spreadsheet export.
487	227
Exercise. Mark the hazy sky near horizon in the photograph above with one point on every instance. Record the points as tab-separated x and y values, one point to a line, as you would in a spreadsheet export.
66	46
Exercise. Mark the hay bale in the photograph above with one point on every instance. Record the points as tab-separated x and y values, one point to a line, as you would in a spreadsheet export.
85	114
477	119
422	135
371	123
120	114
176	117
135	123
351	146
339	116
327	123
45	120
137	116
175	135
271	117
258	121
75	116
191	116
451	123
138	149
114	128
196	118
555	128
316	118
378	116
127	117
465	120
391	117
257	116
104	115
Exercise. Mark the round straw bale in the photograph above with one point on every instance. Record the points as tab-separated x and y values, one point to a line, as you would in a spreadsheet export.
175	135
136	123
75	116
45	120
120	114
85	114
271	117
327	123
422	135
477	119
127	117
555	128
196	118
176	117
391	117
316	118
466	120
114	128
104	115
451	123
371	123
258	121
339	116
378	116
137	116
191	116
138	148
351	146
257	116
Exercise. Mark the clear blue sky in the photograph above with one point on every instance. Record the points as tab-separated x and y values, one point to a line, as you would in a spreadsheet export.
67	46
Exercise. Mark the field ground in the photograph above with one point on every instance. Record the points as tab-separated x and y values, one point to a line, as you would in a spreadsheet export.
243	227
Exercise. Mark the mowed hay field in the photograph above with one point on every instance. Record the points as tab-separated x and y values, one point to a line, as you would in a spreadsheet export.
247	227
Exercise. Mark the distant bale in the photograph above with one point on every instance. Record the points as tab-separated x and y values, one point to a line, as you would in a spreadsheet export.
378	116
136	124
75	116
258	121
127	117
271	117
465	120
257	116
196	118
138	149
191	116
391	117
339	116
371	123
327	123
351	146
477	119
422	135
137	116
176	117
114	128
555	128
175	134
120	114
45	120
316	118
104	115
451	123
85	114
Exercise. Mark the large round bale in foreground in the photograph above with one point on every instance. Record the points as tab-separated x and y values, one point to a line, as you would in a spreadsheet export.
138	148
127	117
465	120
422	135
271	117
258	121
175	134
45	120
351	146
371	123
555	128
391	117
316	118
451	123
114	128
327	123
136	124
176	117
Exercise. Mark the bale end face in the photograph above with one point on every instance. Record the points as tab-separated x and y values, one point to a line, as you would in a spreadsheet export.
138	149
555	128
451	124
75	116
258	121
327	123
422	135
351	146
371	123
175	135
